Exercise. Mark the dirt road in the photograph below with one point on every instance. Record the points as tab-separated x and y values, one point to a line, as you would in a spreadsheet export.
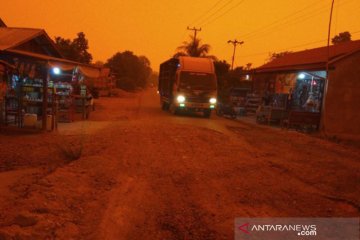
146	174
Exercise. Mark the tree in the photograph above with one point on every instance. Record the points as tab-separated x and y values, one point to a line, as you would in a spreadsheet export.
248	66
193	48
153	79
341	38
76	49
99	64
273	56
131	71
221	68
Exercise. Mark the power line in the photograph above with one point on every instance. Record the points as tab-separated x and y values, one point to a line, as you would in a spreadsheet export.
293	47
308	15
285	49
280	20
287	22
213	20
214	13
205	13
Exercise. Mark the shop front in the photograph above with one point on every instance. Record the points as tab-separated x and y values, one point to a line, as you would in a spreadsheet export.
5	69
292	99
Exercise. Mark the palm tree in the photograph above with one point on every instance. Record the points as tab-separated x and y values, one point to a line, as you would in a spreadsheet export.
193	48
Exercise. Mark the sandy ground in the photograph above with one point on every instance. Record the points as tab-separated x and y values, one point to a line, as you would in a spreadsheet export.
135	172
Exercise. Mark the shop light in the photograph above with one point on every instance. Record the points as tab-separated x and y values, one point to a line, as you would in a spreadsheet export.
212	106
301	76
56	70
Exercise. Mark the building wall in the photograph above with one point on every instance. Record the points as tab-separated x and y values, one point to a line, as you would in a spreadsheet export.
3	77
264	82
32	46
342	105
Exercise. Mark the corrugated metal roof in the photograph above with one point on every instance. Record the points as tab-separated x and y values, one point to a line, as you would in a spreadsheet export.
310	59
193	64
12	37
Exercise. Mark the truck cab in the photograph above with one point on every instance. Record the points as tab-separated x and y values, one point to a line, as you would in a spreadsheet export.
188	84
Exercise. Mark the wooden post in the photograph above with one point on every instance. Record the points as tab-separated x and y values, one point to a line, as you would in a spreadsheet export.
83	107
45	97
55	109
2	101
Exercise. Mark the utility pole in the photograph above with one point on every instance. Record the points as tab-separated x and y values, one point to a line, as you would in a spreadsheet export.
323	108
235	43
195	31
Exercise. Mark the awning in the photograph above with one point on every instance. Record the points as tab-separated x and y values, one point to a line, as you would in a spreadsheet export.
89	72
66	65
62	65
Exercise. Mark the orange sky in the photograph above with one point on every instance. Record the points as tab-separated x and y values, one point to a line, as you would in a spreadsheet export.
155	28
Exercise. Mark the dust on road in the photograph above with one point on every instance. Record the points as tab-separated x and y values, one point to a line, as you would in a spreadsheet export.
145	174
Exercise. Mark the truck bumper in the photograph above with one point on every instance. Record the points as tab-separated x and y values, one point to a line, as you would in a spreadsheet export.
196	106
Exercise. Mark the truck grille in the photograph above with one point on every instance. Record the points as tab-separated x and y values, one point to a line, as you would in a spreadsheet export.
197	99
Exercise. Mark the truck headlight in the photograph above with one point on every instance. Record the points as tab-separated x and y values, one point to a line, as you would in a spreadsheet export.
180	99
212	100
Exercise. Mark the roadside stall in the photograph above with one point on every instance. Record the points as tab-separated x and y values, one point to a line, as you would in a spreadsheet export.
43	87
44	90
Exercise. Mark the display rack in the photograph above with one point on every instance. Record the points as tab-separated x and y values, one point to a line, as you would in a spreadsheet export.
65	110
31	102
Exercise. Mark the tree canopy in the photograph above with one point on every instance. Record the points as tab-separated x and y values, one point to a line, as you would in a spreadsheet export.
76	49
193	48
341	38
131	71
273	56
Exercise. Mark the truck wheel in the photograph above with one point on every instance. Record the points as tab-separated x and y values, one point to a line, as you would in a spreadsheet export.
164	106
207	113
173	109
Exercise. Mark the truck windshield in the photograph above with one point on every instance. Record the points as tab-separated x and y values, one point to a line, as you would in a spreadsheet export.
197	81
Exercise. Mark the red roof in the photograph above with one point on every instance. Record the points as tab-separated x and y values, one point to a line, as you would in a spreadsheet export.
12	38
312	59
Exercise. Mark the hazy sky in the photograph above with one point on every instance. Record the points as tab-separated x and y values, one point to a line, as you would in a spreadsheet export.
155	28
